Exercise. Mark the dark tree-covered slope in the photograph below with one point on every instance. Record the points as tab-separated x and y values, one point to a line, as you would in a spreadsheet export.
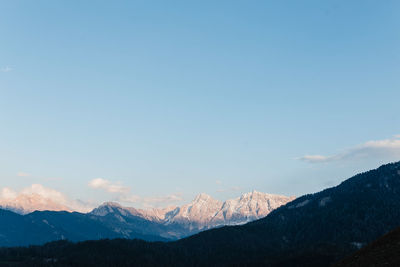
381	253
313	230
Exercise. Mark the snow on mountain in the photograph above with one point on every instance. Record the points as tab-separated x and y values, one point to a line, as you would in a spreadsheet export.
197	214
205	212
156	215
110	207
248	207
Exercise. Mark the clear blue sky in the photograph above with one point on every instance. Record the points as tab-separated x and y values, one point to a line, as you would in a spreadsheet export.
183	97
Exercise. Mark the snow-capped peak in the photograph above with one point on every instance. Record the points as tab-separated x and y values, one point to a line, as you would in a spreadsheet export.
204	211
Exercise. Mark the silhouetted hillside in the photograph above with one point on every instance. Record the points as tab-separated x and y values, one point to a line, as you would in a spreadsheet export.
383	252
313	230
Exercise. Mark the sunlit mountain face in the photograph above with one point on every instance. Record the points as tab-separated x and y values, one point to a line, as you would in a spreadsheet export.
202	213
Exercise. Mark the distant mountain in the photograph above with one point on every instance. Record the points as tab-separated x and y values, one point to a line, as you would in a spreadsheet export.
383	252
202	213
26	203
249	207
125	221
111	220
196	215
313	230
45	226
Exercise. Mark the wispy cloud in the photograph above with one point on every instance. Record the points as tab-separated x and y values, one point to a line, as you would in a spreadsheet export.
218	182
123	194
100	183
376	148
6	69
23	174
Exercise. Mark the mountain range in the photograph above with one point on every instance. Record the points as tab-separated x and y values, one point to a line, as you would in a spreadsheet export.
204	212
313	230
111	220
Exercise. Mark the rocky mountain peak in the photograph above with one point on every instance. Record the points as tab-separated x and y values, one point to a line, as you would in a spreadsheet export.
202	197
106	208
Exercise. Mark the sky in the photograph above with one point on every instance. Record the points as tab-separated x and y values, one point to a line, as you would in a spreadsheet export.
150	103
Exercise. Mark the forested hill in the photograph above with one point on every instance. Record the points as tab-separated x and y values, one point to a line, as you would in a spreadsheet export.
383	252
313	230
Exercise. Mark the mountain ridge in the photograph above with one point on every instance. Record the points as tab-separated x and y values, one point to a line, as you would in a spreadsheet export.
313	230
207	212
203	212
112	220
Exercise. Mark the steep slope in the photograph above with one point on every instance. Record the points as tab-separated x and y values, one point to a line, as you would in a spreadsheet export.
130	222
155	214
195	215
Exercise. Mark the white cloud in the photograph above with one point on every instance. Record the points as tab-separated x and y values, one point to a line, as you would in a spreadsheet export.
6	69
7	193
100	183
218	182
39	197
376	148
316	158
45	192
